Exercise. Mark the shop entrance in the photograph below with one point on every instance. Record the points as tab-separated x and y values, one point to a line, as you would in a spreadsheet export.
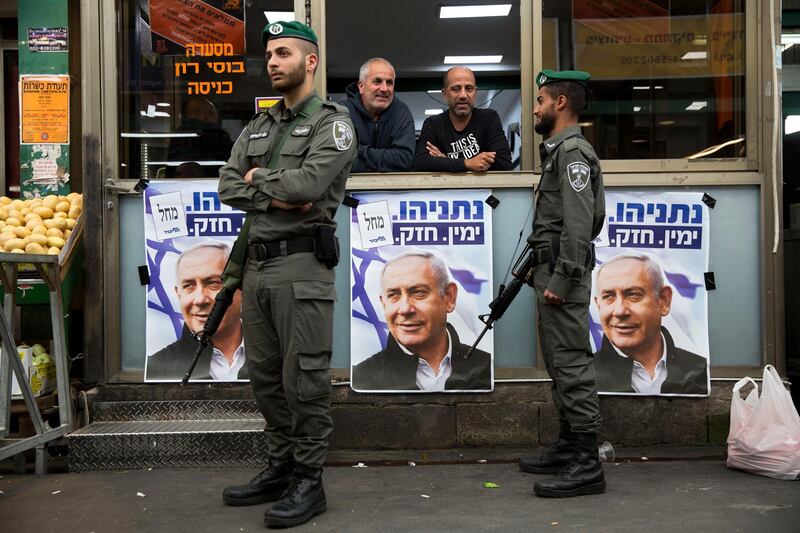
10	131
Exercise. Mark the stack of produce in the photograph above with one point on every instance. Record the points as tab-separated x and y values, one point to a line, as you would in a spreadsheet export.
40	225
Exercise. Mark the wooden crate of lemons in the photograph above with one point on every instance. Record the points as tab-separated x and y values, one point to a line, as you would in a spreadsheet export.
39	226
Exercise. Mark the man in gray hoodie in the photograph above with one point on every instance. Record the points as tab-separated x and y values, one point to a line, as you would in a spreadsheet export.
384	124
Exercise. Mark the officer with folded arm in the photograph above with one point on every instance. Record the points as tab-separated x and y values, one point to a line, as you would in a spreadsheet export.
570	211
287	171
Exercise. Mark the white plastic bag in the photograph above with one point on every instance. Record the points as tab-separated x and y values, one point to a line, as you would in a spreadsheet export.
764	437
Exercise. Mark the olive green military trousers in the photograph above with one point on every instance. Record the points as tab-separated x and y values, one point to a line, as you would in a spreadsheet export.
564	341
287	320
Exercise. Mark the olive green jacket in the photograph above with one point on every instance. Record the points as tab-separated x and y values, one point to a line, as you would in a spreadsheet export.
312	166
570	206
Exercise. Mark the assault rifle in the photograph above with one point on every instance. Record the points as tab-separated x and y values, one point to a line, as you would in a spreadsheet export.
221	303
523	274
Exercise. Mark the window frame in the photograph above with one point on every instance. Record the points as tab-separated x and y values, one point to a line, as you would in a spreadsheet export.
100	60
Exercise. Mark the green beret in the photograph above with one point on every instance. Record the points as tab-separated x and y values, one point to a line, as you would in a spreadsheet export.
295	29
551	76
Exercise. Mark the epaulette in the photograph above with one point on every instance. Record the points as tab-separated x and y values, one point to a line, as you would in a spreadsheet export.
570	144
335	107
254	117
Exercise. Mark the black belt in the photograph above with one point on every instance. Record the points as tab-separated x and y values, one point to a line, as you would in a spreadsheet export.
541	255
265	250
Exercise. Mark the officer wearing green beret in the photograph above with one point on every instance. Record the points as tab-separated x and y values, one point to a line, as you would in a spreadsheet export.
287	171
570	211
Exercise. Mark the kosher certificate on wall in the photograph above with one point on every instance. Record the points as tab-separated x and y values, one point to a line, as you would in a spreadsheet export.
188	236
649	309
44	109
421	273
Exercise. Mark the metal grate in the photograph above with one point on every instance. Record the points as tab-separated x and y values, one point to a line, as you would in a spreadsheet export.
176	410
168	444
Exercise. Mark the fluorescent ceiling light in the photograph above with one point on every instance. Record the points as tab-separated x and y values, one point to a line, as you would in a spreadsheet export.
696	106
153	114
435	91
639	141
641	87
585	124
279	16
666	123
178	163
792	124
790	38
471	60
637	108
157	135
162	104
659	87
695	55
433	111
456	12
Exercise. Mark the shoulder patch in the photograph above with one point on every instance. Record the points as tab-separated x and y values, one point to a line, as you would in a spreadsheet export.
342	135
578	174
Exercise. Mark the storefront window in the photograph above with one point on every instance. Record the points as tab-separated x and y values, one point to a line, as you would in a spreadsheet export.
668	75
417	36
790	97
192	76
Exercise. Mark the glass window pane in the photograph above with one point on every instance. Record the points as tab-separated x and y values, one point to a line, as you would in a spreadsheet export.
191	75
668	76
415	39
790	99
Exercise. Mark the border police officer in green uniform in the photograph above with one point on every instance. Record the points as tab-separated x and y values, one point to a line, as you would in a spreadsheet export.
287	171
570	211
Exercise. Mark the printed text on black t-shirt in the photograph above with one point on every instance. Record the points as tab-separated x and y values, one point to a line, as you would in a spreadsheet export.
465	147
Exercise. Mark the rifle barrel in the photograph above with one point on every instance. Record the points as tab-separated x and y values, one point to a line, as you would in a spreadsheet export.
489	323
202	345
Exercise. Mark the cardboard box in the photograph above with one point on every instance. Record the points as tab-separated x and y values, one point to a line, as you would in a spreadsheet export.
41	378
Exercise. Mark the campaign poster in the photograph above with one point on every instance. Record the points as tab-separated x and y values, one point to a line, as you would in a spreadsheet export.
649	308
421	267
188	236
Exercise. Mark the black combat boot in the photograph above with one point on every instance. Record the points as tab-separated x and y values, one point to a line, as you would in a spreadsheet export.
267	486
583	474
555	457
303	500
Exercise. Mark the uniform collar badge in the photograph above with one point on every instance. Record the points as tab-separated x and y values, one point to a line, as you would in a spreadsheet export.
301	131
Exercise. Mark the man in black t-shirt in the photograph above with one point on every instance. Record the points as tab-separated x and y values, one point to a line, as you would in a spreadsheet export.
465	138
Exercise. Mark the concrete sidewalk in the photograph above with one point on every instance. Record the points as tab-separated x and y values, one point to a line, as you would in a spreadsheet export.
653	496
